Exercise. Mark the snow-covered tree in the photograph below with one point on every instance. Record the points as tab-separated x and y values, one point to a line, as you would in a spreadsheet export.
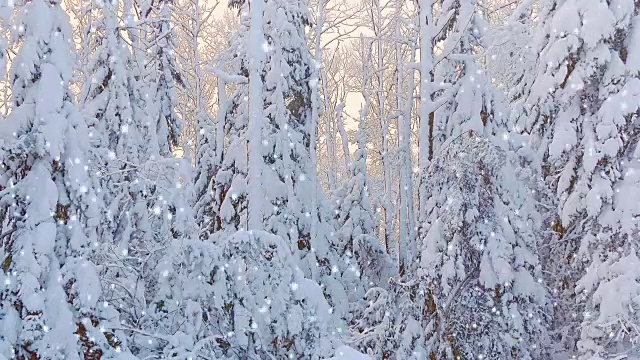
49	303
455	94
153	214
510	59
472	102
582	110
147	192
404	105
264	306
207	158
289	176
141	261
480	286
355	219
206	205
376	54
197	38
228	187
387	323
166	77
375	265
373	331
287	101
275	191
107	101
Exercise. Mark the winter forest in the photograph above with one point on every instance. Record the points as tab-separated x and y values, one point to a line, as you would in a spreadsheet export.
319	179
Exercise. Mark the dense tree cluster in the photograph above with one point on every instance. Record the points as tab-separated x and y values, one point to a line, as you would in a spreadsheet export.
198	187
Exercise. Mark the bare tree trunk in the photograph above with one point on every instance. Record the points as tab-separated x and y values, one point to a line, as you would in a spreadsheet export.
408	168
314	121
426	105
343	136
404	146
256	36
384	123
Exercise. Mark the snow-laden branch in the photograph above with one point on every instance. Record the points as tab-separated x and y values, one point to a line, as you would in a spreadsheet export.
228	78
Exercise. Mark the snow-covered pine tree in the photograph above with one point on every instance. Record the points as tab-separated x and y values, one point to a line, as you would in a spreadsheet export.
455	94
471	104
264	306
228	186
367	267
479	275
288	175
107	102
354	218
167	75
50	211
285	173
208	157
112	106
353	211
387	323
353	208
287	100
560	271
206	205
583	112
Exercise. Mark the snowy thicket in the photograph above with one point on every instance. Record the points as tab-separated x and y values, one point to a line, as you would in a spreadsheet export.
264	304
512	58
199	184
387	323
146	194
